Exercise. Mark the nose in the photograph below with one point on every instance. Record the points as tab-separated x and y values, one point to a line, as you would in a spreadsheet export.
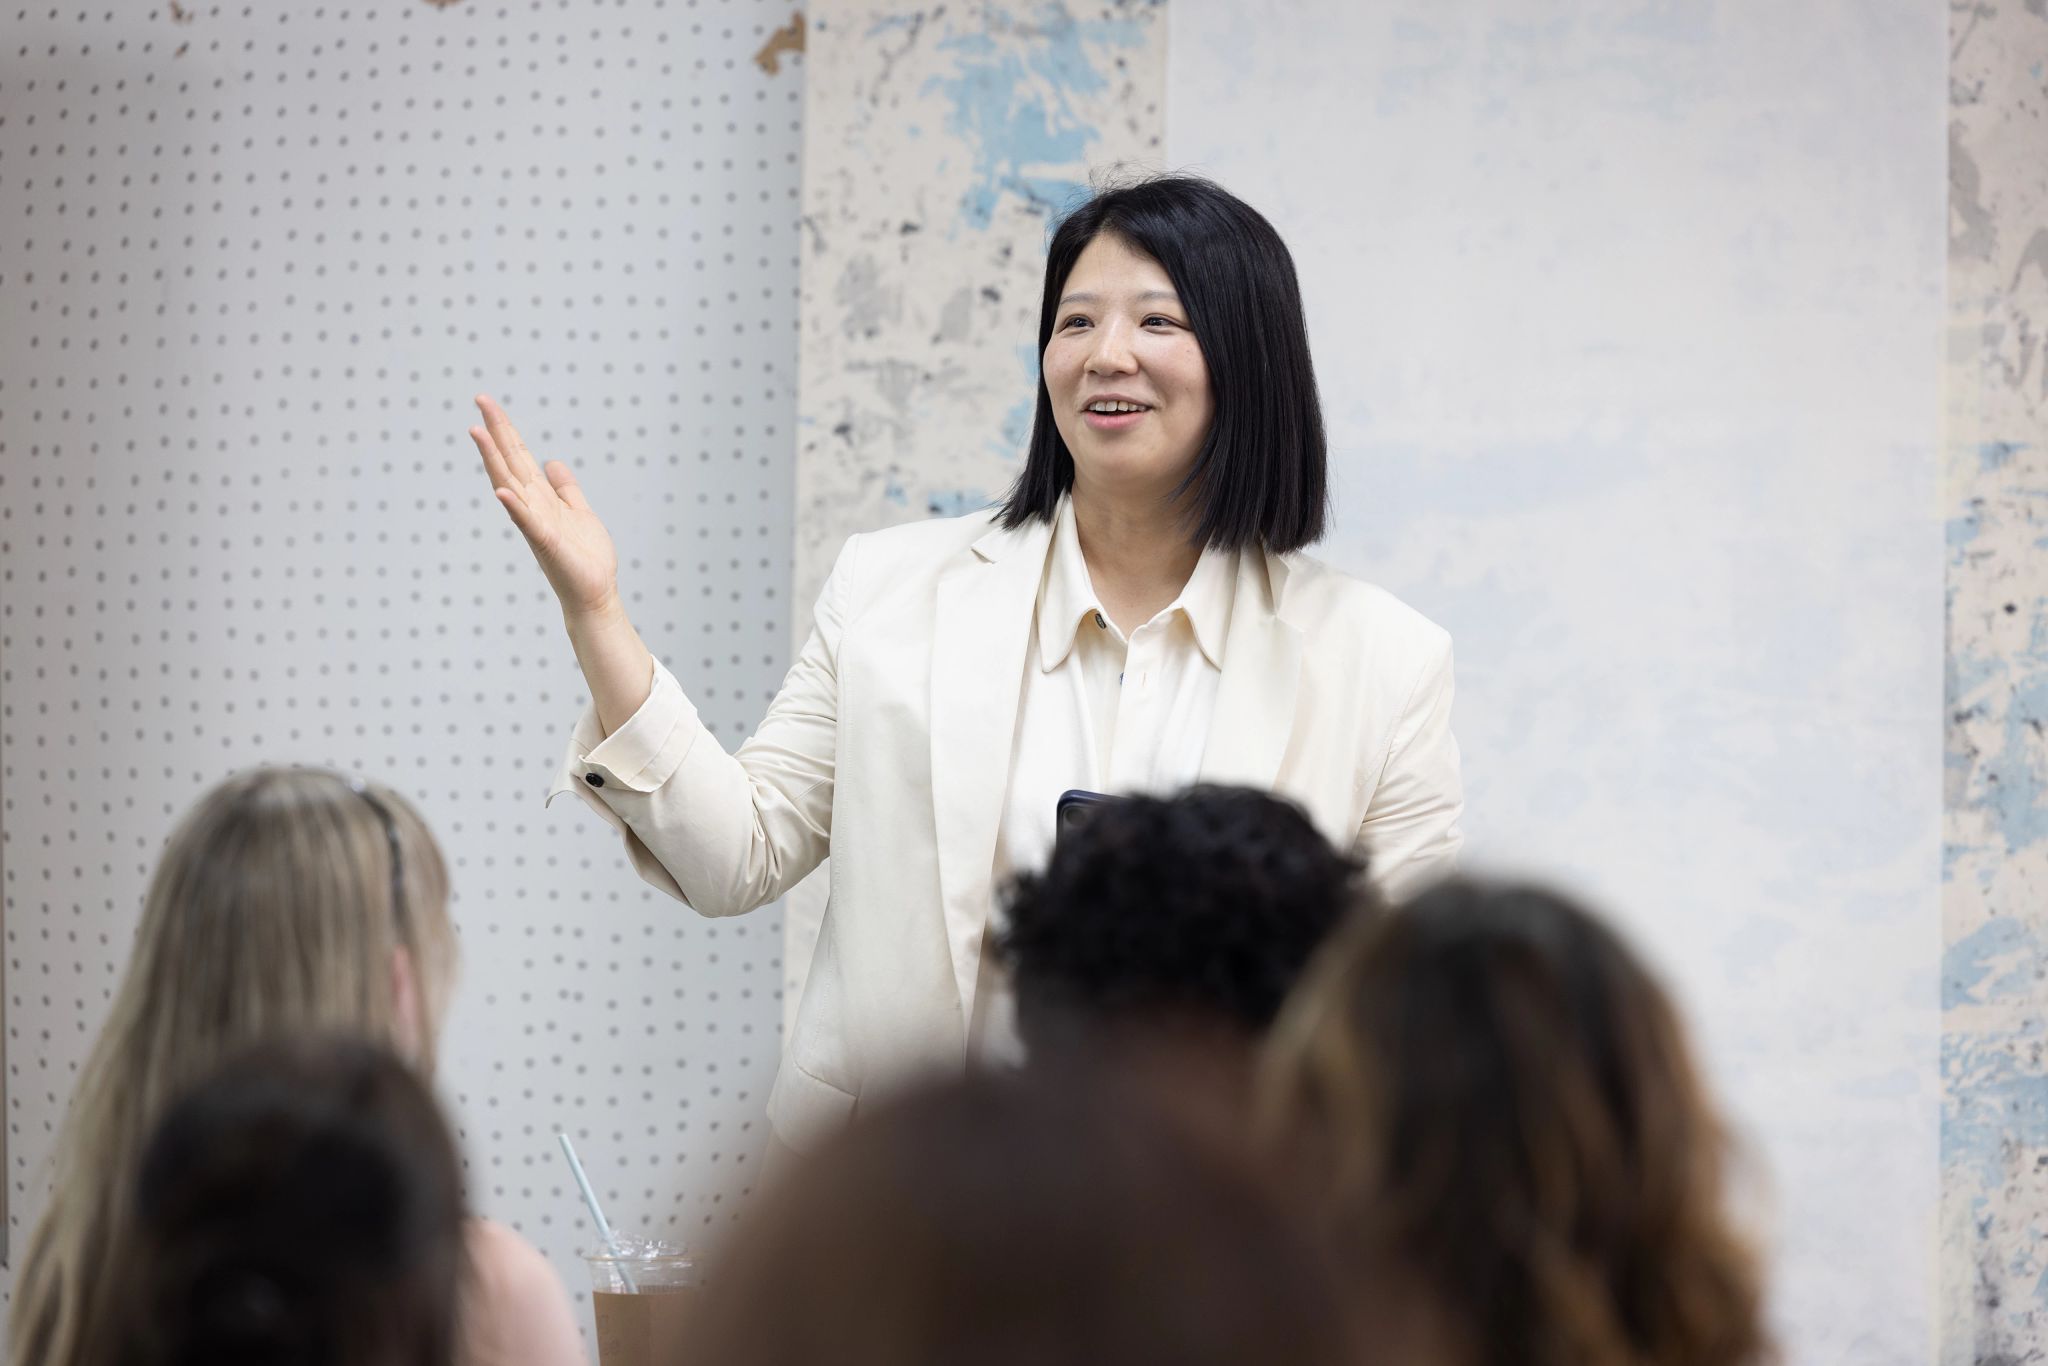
1112	354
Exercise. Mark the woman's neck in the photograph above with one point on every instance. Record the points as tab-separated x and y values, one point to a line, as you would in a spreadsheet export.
1138	553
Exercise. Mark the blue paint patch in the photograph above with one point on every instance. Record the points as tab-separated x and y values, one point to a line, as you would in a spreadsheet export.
2013	786
1996	1102
1063	60
955	502
2016	983
894	492
1964	529
1954	856
1976	956
1011	104
1996	455
1016	433
1967	673
1014	438
972	44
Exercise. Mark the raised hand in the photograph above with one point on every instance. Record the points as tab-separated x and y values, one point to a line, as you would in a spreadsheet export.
574	549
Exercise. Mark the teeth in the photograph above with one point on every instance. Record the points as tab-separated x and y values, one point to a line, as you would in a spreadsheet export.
1112	406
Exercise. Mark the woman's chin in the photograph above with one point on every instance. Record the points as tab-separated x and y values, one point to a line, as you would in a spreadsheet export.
1121	475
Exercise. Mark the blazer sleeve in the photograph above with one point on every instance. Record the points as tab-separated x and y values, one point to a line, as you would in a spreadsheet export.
1411	834
723	833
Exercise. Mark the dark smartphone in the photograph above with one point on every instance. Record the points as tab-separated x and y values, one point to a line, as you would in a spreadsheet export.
1075	807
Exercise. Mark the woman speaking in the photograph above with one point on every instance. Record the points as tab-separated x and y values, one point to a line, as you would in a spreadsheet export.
1136	616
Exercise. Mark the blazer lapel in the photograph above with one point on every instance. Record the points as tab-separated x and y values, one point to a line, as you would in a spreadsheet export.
1255	700
981	630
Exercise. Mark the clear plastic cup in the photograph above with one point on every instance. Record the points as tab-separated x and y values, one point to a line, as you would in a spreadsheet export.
642	1297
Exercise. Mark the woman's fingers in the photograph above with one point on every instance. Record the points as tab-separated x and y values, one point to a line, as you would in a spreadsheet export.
521	513
536	523
519	462
511	492
494	463
549	510
565	484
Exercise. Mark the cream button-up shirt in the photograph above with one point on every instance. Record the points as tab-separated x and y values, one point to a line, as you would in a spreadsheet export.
1102	713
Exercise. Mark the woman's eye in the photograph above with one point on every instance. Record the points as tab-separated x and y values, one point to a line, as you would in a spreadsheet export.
1156	318
1077	318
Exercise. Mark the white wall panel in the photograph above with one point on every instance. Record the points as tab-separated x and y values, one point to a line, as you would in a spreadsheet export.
254	261
1628	319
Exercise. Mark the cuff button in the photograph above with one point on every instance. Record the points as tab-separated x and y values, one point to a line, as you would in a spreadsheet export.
594	779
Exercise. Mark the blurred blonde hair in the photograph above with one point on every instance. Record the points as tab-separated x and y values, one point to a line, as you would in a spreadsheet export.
271	912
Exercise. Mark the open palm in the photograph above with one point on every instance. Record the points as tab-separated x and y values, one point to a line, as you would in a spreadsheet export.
574	549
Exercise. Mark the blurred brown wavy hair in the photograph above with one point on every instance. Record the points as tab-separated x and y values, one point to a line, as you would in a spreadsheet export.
1071	1214
1496	1105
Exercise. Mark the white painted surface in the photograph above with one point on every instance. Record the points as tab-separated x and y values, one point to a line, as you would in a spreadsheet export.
1628	319
253	263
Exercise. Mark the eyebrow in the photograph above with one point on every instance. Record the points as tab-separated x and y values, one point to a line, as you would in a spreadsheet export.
1097	298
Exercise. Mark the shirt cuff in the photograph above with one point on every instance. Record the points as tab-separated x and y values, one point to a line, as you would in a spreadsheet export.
639	756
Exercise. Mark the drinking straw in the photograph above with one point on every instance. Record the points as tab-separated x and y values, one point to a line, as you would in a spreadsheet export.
604	1229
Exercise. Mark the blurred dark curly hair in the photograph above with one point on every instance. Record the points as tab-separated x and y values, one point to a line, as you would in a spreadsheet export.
1202	908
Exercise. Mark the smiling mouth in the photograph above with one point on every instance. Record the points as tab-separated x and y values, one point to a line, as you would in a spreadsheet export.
1115	407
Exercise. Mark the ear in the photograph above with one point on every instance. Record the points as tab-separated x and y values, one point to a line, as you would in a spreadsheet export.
408	1010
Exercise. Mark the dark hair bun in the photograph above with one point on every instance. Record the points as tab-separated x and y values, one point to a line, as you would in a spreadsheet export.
302	1207
239	1314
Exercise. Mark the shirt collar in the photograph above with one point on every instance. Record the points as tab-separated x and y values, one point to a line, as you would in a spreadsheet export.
1067	599
1207	599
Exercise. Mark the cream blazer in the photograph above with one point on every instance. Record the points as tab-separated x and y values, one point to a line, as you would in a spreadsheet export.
888	748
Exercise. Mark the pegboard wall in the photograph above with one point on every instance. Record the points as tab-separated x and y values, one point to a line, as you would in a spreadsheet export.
254	261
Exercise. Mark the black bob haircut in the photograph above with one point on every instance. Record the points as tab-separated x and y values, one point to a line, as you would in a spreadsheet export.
1262	475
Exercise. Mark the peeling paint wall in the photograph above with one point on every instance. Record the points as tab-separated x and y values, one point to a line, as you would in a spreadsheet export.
1994	1257
940	144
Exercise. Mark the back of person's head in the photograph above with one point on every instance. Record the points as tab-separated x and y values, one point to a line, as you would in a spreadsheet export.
300	1207
1025	1219
1497	1102
1199	910
286	901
